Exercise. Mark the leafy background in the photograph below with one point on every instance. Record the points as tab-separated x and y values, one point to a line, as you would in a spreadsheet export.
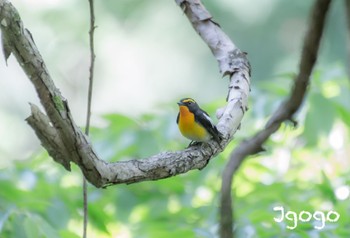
147	58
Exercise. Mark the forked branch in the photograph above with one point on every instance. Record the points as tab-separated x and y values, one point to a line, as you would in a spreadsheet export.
66	143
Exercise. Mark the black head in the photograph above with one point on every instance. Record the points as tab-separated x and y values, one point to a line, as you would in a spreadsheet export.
188	102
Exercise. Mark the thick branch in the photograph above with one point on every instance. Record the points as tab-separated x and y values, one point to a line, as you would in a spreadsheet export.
231	61
67	143
285	112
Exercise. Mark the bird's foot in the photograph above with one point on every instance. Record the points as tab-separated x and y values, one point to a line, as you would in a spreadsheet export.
194	143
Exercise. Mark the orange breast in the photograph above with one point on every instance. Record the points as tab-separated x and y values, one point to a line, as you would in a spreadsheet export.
189	128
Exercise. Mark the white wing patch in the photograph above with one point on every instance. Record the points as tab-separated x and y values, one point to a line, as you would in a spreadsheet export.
208	118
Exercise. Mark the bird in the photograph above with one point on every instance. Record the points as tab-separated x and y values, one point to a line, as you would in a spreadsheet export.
195	124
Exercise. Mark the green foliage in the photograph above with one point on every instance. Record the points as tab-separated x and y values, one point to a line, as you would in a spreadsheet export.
300	172
304	168
303	171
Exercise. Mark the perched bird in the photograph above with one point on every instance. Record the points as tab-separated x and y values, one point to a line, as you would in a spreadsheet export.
195	124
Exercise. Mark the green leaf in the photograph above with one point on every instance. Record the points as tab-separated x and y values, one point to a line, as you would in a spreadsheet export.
99	219
326	188
42	226
344	113
68	234
319	119
15	228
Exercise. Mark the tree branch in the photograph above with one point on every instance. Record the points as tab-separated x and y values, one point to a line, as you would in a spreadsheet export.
67	143
347	11
285	112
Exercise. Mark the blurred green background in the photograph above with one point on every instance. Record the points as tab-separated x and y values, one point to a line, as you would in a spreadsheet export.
148	57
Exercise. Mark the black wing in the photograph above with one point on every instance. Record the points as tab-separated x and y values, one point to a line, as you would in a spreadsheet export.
204	119
177	119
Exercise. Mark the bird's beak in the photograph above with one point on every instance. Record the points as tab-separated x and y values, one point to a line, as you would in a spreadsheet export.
180	103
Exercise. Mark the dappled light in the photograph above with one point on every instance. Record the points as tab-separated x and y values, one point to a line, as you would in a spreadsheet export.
148	57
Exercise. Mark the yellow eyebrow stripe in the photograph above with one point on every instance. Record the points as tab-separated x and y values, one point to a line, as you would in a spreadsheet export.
188	100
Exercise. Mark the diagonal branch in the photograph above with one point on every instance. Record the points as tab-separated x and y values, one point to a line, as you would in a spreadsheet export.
67	143
347	11
285	112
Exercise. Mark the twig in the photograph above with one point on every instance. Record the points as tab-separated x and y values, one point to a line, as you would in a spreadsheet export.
92	64
88	114
285	112
85	211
